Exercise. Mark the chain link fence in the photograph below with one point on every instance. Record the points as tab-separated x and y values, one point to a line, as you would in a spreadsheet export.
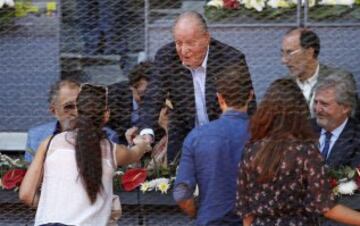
103	42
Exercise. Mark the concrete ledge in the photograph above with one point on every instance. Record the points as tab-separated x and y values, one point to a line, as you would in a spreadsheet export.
12	141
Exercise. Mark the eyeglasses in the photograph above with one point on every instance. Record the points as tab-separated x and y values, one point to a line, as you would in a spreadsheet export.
69	107
96	88
289	53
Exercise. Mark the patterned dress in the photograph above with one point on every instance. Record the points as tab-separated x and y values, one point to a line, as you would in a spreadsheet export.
296	195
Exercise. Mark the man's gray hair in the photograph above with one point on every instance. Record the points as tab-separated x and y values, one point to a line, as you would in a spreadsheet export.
197	17
55	88
344	86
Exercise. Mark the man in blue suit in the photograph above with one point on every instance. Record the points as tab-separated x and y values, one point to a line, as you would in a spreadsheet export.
62	105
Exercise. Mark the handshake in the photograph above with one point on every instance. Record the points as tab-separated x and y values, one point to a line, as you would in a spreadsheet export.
145	136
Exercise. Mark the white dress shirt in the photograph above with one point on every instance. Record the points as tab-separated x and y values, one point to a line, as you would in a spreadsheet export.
199	80
307	87
335	135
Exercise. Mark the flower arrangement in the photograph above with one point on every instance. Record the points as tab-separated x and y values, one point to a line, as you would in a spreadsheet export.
12	172
159	184
144	178
345	180
274	9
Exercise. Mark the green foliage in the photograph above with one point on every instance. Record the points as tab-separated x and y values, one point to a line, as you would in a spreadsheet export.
343	172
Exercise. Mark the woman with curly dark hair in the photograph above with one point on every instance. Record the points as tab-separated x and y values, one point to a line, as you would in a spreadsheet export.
78	167
282	180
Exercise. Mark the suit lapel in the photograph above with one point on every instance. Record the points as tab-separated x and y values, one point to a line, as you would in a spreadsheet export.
342	147
212	69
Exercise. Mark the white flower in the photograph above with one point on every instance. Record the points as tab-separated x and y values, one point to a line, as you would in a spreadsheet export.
215	3
279	4
7	161
347	188
145	187
163	187
154	183
256	4
9	3
337	2
159	184
118	173
311	3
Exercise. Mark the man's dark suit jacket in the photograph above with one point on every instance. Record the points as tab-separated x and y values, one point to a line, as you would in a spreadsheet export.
346	150
120	105
172	80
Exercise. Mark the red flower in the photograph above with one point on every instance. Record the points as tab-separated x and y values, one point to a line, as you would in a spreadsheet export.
333	182
231	4
13	178
133	178
357	179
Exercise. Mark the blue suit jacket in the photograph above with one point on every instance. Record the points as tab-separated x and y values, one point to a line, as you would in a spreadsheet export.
346	150
39	133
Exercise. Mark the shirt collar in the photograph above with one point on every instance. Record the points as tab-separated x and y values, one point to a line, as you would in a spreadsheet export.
312	79
135	104
336	132
233	113
204	63
57	128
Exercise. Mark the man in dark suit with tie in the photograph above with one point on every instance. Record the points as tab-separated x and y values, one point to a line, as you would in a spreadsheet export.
339	132
185	74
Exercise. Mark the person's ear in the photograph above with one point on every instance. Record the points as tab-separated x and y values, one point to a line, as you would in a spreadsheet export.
251	96
52	109
309	52
221	101
106	116
208	37
346	110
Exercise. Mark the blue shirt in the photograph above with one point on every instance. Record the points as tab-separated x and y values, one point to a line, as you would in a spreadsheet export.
335	135
39	133
210	158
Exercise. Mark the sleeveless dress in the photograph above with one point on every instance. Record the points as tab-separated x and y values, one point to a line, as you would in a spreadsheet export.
63	196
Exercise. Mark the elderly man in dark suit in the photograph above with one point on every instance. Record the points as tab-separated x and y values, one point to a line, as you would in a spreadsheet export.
300	51
185	75
339	133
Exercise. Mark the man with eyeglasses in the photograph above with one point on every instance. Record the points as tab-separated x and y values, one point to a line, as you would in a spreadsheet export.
62	105
299	53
